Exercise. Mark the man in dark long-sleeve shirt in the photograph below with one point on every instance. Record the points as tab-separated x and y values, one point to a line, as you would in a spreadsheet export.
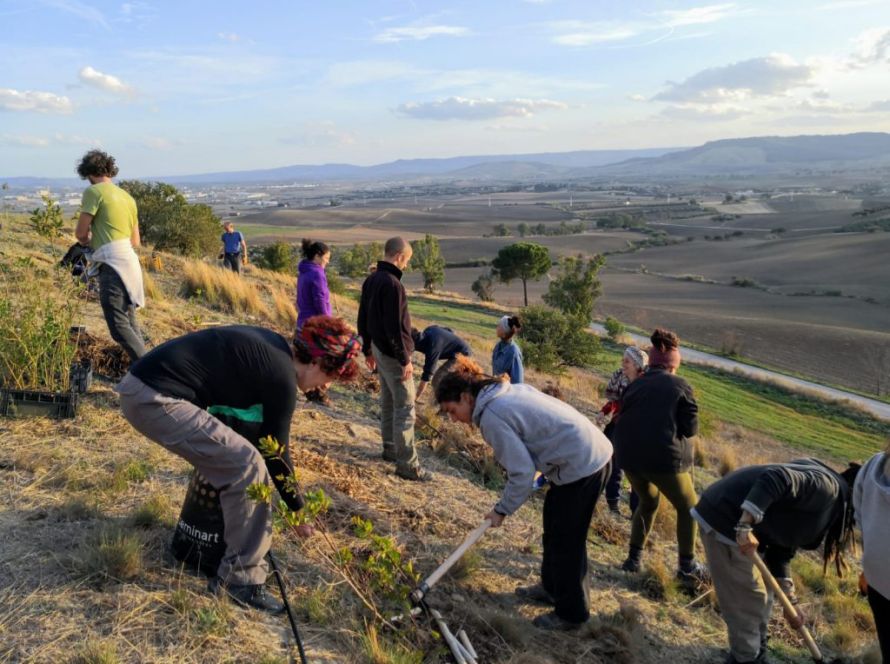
437	343
385	327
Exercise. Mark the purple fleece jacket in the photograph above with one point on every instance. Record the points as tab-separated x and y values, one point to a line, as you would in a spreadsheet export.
313	297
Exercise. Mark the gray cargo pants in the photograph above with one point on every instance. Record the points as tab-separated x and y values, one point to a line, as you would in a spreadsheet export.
745	602
228	461
396	411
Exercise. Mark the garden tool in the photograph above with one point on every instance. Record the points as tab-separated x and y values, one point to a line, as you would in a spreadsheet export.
420	592
787	605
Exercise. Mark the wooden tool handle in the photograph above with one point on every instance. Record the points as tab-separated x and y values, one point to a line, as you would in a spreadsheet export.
469	541
786	603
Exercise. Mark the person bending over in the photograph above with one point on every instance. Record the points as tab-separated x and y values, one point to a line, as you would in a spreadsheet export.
775	509
532	432
437	343
165	396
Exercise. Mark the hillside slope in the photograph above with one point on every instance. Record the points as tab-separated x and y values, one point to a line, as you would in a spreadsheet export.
87	507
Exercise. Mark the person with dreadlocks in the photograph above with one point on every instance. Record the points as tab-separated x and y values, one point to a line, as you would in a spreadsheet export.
773	509
166	394
531	432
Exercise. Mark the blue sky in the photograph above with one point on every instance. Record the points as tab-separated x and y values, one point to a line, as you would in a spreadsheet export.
197	86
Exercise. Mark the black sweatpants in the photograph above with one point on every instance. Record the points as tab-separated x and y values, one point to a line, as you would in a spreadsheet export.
568	509
120	313
880	607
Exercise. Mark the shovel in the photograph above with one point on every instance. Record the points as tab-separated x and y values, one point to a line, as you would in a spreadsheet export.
788	606
420	592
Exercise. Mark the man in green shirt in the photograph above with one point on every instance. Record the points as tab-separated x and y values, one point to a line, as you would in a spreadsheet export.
108	223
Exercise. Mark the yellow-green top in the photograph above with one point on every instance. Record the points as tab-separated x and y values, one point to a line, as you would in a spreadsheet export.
113	210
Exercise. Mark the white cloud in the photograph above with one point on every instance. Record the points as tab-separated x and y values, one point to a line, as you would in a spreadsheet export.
710	113
879	106
106	82
419	33
160	143
47	141
636	97
461	108
654	27
675	18
229	36
773	75
872	47
321	134
32	100
79	9
581	33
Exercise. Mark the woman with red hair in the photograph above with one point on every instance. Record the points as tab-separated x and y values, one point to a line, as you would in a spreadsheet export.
166	394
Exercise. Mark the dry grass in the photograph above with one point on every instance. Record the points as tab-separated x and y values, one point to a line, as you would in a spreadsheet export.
221	289
111	554
285	313
152	289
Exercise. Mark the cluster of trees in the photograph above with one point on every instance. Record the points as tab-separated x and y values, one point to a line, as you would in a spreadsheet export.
555	335
525	230
356	261
169	222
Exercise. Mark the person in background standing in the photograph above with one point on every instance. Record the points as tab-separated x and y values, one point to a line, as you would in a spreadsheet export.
506	358
313	296
871	501
234	248
385	327
108	223
658	417
633	365
437	343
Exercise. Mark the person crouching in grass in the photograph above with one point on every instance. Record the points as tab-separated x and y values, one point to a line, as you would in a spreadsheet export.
775	509
530	431
164	397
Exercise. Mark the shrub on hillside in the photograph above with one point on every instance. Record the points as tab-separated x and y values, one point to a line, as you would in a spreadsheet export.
552	340
429	262
355	261
169	222
278	257
483	287
576	288
614	328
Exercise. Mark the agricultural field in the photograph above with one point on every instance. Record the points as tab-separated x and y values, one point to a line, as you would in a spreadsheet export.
807	300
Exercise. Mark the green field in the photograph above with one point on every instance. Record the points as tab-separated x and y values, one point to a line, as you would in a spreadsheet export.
829	430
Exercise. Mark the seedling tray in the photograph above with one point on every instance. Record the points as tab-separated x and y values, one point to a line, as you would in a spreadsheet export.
28	403
81	376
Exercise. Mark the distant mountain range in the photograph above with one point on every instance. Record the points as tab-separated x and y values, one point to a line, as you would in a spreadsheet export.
741	156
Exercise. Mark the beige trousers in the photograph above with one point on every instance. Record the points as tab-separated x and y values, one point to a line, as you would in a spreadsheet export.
745	602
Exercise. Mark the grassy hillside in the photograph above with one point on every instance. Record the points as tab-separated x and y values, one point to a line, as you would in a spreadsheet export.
87	508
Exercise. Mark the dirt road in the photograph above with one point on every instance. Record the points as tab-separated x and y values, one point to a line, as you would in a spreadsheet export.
877	408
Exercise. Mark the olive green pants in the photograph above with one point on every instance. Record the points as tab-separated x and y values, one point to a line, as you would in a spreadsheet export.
678	489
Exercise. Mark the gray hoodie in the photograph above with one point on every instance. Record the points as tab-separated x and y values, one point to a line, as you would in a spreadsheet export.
871	500
529	431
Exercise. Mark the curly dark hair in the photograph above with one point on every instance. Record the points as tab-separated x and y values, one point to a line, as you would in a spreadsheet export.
465	376
98	164
339	367
840	535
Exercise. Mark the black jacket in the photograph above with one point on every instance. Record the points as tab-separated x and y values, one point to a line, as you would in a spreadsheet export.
383	317
798	501
658	416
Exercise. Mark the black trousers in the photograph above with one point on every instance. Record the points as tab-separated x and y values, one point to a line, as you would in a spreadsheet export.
120	313
568	509
880	607
232	261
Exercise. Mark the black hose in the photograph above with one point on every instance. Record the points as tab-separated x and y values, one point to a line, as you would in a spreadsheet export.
290	614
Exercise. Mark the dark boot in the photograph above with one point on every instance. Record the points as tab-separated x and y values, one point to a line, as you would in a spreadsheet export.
415	474
247	596
535	593
552	622
634	561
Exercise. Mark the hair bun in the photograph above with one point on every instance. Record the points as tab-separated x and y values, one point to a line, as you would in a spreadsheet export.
664	340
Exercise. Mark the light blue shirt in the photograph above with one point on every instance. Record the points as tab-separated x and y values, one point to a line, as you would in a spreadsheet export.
506	358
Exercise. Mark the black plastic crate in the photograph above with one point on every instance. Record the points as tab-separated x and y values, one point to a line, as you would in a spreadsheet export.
81	376
28	403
